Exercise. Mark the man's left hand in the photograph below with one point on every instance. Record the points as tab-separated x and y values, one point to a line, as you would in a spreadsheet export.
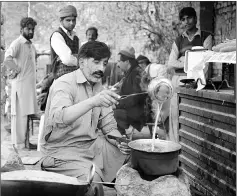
124	148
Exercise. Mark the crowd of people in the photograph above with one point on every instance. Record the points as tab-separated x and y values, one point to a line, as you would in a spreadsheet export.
80	113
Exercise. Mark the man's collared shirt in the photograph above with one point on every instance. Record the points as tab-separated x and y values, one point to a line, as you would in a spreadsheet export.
23	53
174	60
61	49
66	91
23	90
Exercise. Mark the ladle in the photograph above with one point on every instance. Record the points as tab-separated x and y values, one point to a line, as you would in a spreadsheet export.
91	176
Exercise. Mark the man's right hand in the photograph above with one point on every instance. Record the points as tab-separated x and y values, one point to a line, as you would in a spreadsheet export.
105	98
13	74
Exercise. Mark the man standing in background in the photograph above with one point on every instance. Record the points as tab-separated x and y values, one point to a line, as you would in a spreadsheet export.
143	61
64	43
91	34
192	36
133	112
20	59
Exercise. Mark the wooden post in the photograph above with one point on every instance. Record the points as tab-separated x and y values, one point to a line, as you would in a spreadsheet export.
235	80
28	9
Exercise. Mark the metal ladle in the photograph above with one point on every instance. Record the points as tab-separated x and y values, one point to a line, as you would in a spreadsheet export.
91	176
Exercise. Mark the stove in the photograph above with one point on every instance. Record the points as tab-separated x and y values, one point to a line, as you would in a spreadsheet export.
141	184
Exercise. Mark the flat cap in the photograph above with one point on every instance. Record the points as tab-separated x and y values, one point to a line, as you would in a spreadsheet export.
68	11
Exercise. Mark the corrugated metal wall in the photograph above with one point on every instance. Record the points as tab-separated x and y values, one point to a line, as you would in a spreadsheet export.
207	133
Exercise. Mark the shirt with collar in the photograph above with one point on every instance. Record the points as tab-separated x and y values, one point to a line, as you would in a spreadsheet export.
23	52
174	60
61	49
23	40
66	91
198	32
70	35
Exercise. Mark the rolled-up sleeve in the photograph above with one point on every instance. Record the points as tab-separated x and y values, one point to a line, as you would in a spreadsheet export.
13	50
62	50
61	97
107	122
174	60
208	43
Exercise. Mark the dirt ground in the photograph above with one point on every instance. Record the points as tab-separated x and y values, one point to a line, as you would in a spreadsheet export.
6	142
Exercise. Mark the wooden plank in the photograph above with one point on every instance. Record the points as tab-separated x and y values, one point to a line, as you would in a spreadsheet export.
208	178
210	114
209	153
209	137
210	162
207	133
206	122
225	107
227	179
231	155
226	95
209	186
194	182
208	129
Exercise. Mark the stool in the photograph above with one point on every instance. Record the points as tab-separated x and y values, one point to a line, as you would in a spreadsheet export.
30	126
134	184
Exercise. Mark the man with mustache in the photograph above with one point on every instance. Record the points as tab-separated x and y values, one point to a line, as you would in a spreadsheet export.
20	60
64	43
79	118
91	34
192	36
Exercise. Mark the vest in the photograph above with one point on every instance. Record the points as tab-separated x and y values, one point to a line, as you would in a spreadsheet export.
184	44
58	68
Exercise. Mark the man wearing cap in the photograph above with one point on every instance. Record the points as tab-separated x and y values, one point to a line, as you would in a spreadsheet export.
192	36
143	61
133	114
64	43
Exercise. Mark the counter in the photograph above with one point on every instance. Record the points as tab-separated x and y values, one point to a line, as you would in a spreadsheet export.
207	133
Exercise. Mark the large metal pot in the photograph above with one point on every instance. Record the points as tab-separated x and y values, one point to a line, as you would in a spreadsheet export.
162	161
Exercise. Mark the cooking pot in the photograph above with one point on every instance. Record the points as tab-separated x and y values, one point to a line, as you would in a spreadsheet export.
162	161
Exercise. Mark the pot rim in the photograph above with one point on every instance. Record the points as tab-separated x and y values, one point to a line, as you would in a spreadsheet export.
151	152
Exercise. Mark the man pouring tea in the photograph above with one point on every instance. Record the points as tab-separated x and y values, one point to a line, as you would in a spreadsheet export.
79	118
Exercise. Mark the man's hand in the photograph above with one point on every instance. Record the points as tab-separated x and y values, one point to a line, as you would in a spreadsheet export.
105	98
13	74
123	147
41	97
181	59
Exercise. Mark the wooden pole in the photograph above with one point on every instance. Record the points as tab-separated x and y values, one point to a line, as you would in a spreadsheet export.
28	9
